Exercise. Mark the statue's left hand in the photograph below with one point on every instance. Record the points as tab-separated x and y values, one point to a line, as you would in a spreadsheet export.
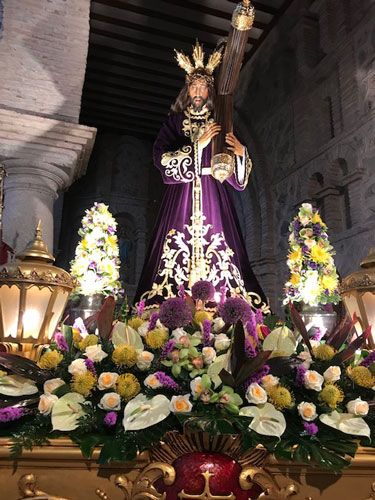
234	144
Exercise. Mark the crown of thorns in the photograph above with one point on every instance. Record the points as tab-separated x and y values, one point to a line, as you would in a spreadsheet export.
197	69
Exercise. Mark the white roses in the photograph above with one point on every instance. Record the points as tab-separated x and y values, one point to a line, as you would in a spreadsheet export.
46	403
107	380
222	342
332	374
110	401
358	407
256	394
144	360
77	367
209	355
307	411
313	380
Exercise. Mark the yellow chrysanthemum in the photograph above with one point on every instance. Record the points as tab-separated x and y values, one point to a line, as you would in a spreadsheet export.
50	360
295	279
280	397
127	386
83	384
324	352
156	338
200	316
331	395
89	340
76	337
362	376
295	256
125	355
316	219
329	282
136	322
320	255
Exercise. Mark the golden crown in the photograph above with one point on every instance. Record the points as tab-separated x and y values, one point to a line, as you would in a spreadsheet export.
197	66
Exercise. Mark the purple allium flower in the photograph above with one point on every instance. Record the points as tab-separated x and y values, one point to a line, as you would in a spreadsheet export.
166	381
175	313
181	291
203	290
168	348
300	375
153	320
235	309
9	413
140	308
251	326
259	317
61	342
310	428
257	376
110	419
90	366
206	333
369	360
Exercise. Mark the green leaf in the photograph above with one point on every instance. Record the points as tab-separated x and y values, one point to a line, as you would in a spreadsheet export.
88	444
62	390
67	331
111	451
176	370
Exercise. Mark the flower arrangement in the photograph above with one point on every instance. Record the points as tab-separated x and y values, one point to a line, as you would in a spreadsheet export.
310	401
96	263
313	278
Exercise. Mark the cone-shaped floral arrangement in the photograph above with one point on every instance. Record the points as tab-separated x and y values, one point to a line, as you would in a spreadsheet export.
313	277
96	263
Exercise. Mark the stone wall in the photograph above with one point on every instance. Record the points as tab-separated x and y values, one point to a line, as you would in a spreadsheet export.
305	106
43	50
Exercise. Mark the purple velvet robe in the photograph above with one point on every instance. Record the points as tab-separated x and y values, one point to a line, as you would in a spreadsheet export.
197	234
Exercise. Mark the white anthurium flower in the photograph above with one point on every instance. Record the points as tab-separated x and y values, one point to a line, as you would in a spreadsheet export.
142	412
347	423
77	367
15	385
281	342
358	407
95	353
215	368
46	403
125	334
266	419
52	384
66	412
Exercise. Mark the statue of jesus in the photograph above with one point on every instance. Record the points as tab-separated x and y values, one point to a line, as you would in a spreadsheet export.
197	234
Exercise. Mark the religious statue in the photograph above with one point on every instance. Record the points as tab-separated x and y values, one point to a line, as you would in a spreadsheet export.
197	235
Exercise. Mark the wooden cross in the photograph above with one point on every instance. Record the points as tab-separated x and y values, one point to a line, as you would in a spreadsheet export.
206	493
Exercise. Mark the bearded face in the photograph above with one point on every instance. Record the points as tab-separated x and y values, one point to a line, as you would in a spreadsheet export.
198	93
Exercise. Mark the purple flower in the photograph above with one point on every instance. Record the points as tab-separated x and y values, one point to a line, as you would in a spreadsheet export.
181	291
175	313
223	293
250	349
257	376
9	413
140	308
203	290
206	333
92	265
313	265
305	249
369	360
317	229
318	334
168	348
259	317
111	230
310	428
61	342
166	381
110	419
235	309
153	320
79	325
300	375
90	366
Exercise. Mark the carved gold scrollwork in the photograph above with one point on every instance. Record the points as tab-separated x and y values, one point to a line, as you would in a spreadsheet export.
143	487
372	492
28	488
271	491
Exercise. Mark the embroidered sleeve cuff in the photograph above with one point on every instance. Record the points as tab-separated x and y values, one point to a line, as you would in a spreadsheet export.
242	169
179	164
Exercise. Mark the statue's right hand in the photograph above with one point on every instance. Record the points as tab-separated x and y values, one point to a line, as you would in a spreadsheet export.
211	131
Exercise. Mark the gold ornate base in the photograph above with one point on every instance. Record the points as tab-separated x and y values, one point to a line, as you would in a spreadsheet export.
27	350
59	472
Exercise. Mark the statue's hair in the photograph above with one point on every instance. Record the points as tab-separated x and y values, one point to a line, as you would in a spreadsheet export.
183	99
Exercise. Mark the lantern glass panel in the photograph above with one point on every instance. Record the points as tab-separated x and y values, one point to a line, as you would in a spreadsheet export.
351	303
369	303
10	301
57	310
37	300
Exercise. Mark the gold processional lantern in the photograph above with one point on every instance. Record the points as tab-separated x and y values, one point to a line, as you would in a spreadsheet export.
33	296
358	293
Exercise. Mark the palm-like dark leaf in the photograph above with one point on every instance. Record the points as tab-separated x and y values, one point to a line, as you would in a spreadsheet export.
300	325
19	402
349	352
283	365
241	367
340	333
23	367
105	318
